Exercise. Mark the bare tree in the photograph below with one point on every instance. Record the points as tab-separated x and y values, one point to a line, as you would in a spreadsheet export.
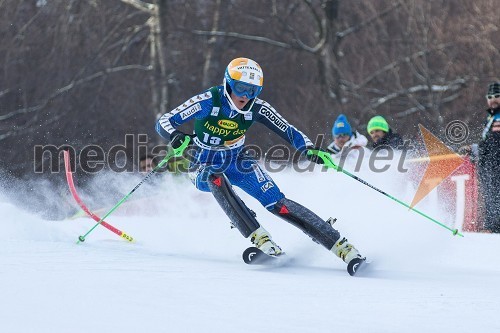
91	71
52	61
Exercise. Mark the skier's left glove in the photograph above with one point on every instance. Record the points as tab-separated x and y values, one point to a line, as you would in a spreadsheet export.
311	156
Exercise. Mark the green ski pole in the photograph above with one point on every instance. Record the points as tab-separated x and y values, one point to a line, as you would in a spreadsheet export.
328	162
173	153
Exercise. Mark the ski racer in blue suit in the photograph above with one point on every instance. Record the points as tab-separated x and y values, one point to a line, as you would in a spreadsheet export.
222	115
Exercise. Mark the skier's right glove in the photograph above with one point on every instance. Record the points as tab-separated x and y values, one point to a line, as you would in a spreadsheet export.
177	138
313	157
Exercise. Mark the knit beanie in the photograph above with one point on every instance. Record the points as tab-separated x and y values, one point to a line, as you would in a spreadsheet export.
377	123
494	88
341	126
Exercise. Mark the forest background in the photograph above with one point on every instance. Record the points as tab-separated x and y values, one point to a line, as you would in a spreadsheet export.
91	72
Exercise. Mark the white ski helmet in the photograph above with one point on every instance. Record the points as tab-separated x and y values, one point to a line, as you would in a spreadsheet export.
243	77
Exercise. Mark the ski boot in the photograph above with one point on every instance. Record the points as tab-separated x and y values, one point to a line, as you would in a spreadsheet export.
262	240
348	253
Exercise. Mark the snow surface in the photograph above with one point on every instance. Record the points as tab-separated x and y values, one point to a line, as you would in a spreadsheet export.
185	273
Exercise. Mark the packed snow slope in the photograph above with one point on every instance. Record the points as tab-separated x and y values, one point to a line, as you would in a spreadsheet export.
185	272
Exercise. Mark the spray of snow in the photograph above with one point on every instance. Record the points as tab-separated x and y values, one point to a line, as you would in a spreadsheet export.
185	272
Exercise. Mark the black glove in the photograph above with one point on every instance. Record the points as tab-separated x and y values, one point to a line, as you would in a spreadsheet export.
313	157
177	138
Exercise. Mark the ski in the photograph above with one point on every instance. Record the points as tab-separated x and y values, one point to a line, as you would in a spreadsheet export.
71	184
254	256
356	266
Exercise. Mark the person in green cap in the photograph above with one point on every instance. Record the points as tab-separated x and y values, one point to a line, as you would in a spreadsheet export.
382	134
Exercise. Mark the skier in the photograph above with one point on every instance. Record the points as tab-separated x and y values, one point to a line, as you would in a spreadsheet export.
344	137
382	135
222	115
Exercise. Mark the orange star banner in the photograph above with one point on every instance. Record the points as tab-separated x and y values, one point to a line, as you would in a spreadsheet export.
442	162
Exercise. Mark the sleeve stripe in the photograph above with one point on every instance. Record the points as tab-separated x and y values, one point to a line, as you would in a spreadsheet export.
274	121
166	123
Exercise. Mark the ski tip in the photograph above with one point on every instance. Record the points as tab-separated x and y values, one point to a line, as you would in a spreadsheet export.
251	255
254	256
356	265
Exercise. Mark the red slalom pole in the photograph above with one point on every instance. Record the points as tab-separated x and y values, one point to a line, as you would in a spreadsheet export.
71	184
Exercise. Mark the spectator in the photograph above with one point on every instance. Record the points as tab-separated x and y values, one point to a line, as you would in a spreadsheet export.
382	135
344	137
146	163
489	160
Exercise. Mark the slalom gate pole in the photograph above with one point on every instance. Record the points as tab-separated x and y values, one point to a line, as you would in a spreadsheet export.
328	162
71	184
173	153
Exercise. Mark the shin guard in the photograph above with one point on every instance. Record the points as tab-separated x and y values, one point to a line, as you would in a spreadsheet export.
304	219
240	215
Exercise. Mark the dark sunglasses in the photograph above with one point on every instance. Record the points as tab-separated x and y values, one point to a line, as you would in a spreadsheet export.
493	96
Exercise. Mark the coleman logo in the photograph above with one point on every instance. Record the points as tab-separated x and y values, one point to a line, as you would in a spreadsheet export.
227	124
272	117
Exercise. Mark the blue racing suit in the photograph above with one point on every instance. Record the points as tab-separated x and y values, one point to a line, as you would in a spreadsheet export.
219	136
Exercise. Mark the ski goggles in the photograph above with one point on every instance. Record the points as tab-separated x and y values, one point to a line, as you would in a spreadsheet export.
246	89
343	135
493	96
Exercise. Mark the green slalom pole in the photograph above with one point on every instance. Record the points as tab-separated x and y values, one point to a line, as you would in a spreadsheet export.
173	153
328	162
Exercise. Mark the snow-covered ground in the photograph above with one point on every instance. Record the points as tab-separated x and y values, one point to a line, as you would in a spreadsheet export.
185	273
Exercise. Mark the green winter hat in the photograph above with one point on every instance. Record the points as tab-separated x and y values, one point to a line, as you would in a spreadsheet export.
377	123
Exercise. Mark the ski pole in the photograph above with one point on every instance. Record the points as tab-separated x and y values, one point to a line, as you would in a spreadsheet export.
71	184
328	162
173	153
